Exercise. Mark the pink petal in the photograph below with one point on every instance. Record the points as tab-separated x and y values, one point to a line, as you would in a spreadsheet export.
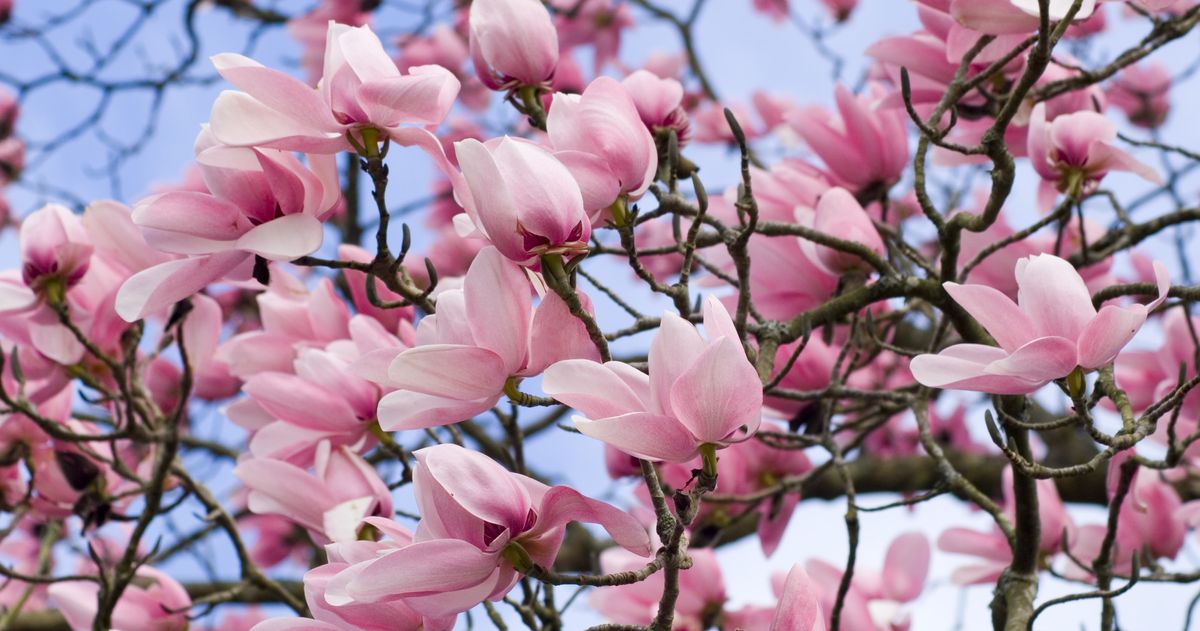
477	484
284	238
563	504
239	119
1054	296
718	393
402	409
906	567
675	347
963	367
423	97
158	287
424	567
496	293
446	370
557	335
283	94
996	312
799	608
644	435
1042	359
593	389
298	401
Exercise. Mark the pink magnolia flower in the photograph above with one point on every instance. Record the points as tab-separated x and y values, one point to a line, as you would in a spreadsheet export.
659	103
263	202
775	9
799	607
446	46
862	146
839	215
330	504
1141	91
1050	331
513	43
1073	153
386	616
990	548
1153	522
522	199
153	601
701	588
699	392
55	249
876	599
361	89
601	138
481	527
483	338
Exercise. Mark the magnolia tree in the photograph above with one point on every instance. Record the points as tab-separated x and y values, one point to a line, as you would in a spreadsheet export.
938	290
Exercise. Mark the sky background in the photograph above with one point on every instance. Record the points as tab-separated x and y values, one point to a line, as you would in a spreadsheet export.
741	50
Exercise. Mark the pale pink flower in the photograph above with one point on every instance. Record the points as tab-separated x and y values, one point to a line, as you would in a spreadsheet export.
330	503
479	521
659	103
876	599
153	601
1050	331
600	137
799	607
862	146
1141	91
361	89
702	591
1074	152
483	336
699	392
263	203
513	43
522	199
839	215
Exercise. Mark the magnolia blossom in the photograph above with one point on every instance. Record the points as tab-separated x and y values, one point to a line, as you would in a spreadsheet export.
513	43
602	140
637	603
262	203
659	103
330	504
840	216
1141	91
1074	152
481	527
862	146
523	199
361	89
153	601
55	249
483	338
1050	331
700	392
875	599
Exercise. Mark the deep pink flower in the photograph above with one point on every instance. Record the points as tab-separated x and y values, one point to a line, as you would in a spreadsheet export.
478	522
1051	329
699	392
